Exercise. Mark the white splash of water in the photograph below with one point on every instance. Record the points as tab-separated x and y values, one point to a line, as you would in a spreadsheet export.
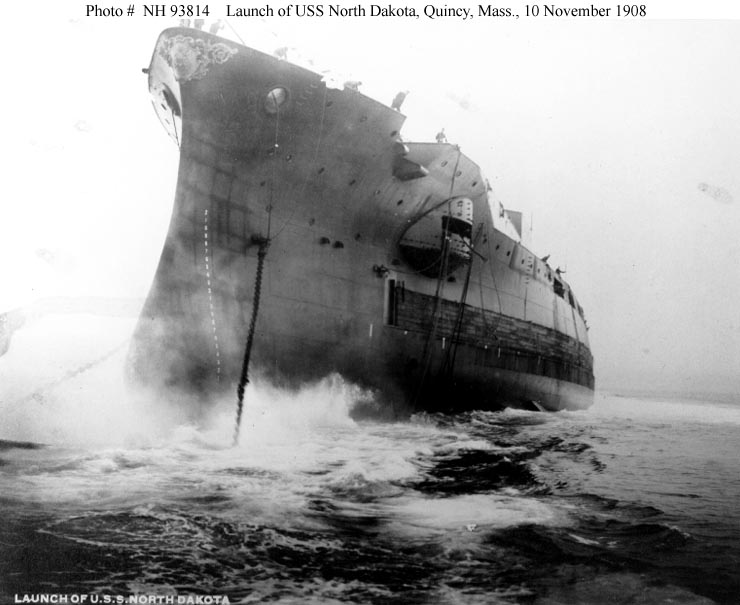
476	512
62	382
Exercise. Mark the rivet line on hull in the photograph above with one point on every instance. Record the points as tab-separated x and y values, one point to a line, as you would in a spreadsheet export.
210	296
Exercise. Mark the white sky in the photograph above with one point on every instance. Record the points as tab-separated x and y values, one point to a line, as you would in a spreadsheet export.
603	131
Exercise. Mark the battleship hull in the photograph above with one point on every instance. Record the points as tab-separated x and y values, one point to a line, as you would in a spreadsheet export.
383	261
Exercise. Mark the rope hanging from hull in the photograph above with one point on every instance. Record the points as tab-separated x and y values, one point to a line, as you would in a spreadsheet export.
427	353
244	379
448	365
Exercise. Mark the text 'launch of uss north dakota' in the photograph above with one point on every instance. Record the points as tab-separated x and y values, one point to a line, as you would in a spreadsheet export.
336	10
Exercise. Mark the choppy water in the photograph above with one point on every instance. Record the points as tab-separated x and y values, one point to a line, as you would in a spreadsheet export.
633	501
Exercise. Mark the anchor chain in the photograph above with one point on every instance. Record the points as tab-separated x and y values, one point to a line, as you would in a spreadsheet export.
244	379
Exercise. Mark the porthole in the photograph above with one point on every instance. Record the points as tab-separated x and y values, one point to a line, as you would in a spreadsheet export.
399	202
275	99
